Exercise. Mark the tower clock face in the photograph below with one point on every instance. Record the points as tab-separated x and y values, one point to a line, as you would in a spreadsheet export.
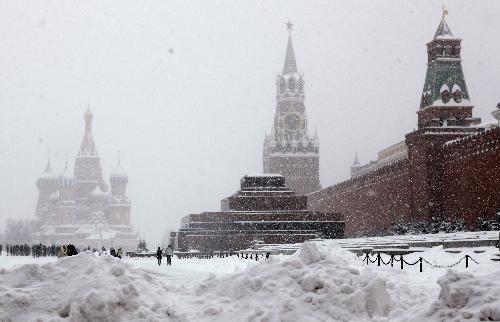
292	122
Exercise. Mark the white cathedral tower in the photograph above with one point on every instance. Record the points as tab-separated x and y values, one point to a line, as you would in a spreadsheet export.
79	207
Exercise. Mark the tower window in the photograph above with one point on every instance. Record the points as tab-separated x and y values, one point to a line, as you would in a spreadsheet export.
301	85
457	93
291	84
445	96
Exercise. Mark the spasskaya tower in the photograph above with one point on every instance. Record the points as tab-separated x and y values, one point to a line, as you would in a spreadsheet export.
290	150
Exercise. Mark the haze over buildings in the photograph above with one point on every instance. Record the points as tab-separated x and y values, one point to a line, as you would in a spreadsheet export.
185	91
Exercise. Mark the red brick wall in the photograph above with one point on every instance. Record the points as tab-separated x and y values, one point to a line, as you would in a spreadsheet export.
471	177
370	202
461	178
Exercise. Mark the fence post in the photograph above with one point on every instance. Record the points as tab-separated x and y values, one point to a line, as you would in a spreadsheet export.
367	258
378	259
420	260
392	260
401	258
466	261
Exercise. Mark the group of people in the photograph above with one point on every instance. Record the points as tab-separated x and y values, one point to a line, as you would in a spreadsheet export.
17	250
37	250
169	252
116	253
67	250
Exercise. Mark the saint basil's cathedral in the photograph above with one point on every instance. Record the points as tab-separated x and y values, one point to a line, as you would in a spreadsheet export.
79	207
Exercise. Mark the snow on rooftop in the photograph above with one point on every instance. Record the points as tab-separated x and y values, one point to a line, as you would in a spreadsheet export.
260	175
444	87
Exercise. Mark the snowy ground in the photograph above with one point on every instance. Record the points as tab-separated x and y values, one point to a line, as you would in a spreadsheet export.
318	283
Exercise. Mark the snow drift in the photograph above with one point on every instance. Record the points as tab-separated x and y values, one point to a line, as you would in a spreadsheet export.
465	297
312	285
81	288
315	284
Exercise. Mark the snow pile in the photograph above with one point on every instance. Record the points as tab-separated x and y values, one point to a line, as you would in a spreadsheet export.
317	283
83	288
466	297
312	285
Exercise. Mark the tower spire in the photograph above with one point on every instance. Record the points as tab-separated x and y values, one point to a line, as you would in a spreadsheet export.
444	84
290	65
87	147
356	160
443	30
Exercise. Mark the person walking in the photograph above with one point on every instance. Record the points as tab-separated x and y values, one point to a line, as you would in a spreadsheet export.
169	252
158	255
119	253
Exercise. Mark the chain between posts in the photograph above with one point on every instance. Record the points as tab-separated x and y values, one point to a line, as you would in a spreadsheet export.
378	259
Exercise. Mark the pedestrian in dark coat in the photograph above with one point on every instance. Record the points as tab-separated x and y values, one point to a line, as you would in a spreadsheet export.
169	252
158	256
71	249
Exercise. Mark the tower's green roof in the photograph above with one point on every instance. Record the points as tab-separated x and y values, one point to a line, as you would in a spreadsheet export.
444	69
440	73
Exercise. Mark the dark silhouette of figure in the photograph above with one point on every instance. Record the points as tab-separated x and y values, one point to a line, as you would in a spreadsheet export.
158	256
71	250
112	252
169	252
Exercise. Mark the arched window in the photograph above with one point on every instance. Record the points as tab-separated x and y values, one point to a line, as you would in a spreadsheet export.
445	93
291	84
445	96
301	85
457	93
282	84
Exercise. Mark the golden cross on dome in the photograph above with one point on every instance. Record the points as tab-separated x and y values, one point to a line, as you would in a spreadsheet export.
289	25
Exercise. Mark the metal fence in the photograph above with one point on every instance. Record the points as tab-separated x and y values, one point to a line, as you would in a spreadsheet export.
379	260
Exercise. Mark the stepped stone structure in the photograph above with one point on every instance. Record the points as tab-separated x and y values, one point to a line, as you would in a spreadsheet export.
80	207
264	210
447	169
290	150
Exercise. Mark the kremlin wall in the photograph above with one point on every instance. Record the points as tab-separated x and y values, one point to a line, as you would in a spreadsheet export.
448	169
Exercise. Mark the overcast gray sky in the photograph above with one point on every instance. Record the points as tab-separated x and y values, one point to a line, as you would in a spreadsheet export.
185	89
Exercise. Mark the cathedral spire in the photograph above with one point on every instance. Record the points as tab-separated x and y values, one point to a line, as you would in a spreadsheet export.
87	148
290	65
48	168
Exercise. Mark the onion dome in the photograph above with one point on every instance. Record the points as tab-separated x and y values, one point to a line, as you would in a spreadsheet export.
66	179
118	175
47	179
